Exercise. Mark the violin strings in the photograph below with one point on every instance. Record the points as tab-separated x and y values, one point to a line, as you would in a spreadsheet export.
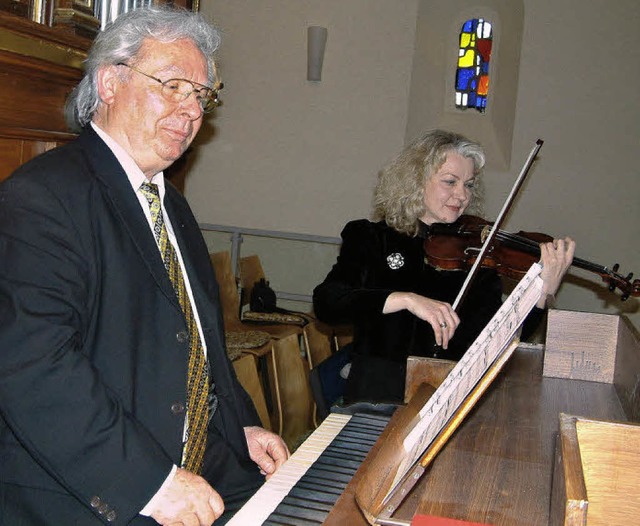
534	248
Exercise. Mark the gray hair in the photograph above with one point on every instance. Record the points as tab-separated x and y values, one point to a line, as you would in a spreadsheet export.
399	194
121	41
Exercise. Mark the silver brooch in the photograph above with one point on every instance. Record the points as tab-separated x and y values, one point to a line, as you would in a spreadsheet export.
395	261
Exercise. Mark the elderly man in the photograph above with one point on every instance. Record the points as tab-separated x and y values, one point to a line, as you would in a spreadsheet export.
118	404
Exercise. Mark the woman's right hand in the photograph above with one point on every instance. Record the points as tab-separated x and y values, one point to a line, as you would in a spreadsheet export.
440	315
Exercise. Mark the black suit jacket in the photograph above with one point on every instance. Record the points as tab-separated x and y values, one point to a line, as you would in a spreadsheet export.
93	344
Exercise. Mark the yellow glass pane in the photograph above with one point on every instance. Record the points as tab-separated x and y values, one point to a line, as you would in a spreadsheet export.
467	60
465	38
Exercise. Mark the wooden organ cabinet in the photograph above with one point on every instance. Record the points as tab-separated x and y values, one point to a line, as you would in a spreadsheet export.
39	66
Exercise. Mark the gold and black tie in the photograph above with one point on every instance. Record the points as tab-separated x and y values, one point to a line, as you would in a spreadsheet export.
198	378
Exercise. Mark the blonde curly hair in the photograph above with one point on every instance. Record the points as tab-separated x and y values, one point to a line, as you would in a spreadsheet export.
399	194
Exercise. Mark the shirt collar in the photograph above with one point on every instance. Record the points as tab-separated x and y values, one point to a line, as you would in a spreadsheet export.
134	174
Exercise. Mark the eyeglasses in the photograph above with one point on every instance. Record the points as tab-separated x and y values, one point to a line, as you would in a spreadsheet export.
177	90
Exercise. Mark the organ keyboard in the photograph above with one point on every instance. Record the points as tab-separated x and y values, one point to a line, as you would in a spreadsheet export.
305	488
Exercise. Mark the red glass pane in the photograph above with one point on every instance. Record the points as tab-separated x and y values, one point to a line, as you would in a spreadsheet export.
484	48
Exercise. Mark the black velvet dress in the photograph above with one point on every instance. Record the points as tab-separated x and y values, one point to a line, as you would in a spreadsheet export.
376	260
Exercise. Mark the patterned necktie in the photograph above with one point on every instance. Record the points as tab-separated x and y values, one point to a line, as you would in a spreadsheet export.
197	379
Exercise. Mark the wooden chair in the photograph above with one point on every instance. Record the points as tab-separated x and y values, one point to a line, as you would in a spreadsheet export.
318	338
289	385
318	342
230	300
247	372
262	346
238	336
276	323
342	335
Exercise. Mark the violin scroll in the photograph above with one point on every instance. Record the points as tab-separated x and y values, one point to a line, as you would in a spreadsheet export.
625	285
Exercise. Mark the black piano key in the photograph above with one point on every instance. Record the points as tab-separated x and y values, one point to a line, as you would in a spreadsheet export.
342	454
359	437
345	463
315	495
324	483
340	467
312	483
313	504
283	520
302	512
329	475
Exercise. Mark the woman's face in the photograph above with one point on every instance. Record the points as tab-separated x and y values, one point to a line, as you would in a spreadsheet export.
448	191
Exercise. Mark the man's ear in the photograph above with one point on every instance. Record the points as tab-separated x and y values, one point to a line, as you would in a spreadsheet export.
108	80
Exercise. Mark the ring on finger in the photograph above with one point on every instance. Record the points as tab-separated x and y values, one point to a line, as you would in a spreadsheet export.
443	324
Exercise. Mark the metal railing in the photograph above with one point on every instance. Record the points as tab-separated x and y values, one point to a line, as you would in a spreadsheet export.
237	234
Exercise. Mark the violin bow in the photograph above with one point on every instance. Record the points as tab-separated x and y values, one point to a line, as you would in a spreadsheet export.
498	222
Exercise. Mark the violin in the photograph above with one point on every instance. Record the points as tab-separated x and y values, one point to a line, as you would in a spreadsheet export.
456	246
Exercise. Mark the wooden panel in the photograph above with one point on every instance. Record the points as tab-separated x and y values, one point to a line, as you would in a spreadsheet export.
627	374
597	473
611	466
38	68
14	152
17	7
569	499
11	156
421	370
581	345
33	93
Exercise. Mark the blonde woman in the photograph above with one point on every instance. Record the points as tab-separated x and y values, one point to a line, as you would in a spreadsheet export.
382	284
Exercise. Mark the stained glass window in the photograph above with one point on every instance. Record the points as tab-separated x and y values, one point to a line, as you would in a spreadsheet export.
472	73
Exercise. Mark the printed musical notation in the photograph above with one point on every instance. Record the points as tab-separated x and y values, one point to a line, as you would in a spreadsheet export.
487	347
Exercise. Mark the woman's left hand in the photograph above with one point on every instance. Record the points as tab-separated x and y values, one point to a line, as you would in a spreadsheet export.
556	258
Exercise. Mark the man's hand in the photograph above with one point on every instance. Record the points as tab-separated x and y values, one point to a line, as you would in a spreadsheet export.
187	500
266	449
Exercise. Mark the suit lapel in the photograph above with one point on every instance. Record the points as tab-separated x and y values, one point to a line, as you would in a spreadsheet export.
118	191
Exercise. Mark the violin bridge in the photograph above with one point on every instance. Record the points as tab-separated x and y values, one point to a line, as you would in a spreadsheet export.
486	230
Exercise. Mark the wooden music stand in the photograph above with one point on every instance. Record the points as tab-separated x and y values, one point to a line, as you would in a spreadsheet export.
411	442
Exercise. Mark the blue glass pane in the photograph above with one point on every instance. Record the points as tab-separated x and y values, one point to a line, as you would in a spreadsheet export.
464	77
484	68
472	100
467	27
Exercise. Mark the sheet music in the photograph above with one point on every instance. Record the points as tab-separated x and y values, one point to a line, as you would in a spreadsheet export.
494	338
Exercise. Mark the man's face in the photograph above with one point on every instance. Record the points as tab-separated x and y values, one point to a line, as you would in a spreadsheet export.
153	130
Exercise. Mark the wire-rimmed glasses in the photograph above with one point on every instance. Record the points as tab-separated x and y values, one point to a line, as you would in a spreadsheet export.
177	90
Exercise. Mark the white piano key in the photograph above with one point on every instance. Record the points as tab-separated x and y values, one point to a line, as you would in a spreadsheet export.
266	499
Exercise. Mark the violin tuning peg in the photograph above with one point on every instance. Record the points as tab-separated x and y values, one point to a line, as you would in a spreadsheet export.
616	267
629	276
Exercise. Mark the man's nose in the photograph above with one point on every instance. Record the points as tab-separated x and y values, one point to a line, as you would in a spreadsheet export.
191	106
